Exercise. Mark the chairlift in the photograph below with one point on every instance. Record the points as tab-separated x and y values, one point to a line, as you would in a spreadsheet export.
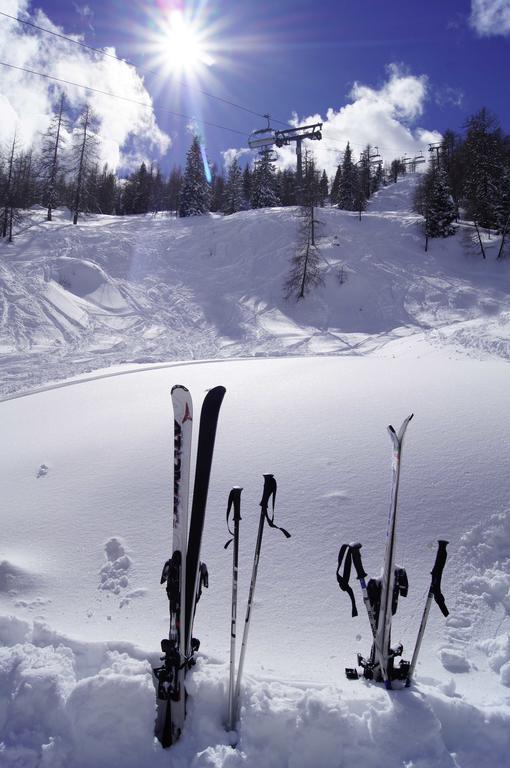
262	137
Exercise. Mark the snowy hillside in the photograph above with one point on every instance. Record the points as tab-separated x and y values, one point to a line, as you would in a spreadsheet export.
149	289
85	472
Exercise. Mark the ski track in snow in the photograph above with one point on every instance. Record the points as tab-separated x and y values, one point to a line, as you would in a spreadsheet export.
147	289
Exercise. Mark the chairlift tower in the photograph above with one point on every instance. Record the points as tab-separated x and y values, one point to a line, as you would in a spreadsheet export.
265	138
435	147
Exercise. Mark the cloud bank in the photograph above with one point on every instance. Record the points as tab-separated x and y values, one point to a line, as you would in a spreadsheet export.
128	132
490	17
383	117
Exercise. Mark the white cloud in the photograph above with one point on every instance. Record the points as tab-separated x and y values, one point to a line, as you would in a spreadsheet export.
490	17
231	154
382	117
127	130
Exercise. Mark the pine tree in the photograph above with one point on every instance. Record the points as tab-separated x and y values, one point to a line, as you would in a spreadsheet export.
107	191
173	189
195	193
233	193
377	180
349	196
503	209
247	184
483	156
157	191
286	186
263	188
335	187
440	210
217	189
323	189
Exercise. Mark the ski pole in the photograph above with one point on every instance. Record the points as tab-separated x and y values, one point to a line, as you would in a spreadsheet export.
352	554
234	501
434	593
269	493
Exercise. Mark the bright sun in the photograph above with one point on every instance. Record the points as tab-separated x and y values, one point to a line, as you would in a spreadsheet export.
185	47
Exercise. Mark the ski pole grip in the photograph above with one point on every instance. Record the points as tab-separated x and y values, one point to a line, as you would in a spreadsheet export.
356	560
269	491
234	500
437	570
436	573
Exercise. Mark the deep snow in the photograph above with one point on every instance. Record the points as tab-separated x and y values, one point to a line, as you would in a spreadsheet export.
85	472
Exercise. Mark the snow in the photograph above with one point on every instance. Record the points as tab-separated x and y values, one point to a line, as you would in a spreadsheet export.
99	321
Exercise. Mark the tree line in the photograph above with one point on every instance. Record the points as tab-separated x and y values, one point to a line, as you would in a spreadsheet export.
64	171
468	178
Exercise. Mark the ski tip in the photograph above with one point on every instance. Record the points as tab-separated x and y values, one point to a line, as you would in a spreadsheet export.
218	391
178	386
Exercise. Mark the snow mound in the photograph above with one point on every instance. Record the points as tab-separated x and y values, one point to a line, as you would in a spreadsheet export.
78	705
88	281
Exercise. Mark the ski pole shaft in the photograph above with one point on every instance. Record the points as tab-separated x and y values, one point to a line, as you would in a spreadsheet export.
434	594
234	502
268	492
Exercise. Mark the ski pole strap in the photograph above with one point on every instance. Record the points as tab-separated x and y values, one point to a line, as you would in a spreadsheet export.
269	493
436	573
234	502
349	555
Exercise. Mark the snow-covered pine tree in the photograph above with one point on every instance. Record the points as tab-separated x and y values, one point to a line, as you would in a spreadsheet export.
263	186
440	209
349	188
195	194
483	158
233	200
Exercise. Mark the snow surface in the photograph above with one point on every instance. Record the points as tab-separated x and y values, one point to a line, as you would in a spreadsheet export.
86	478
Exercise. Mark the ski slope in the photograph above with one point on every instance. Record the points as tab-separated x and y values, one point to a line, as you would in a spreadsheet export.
86	480
151	289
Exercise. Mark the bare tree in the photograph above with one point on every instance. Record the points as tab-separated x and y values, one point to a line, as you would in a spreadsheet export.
51	165
85	151
305	272
8	192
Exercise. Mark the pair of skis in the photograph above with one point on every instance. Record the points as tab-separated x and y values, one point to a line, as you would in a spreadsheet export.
234	504
184	574
380	596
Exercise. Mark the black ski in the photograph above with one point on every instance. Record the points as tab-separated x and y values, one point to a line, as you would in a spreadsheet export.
196	573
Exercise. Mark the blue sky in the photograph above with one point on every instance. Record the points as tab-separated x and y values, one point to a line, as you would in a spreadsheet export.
306	57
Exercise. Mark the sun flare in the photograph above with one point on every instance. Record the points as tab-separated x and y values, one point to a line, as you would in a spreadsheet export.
185	47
